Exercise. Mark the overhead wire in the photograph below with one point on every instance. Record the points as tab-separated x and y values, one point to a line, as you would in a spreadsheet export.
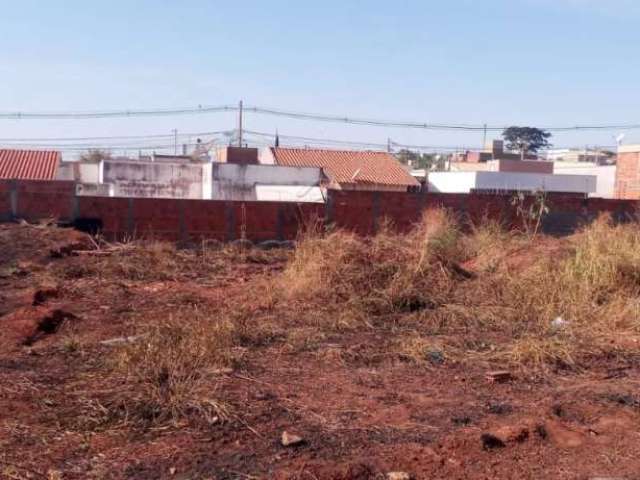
345	119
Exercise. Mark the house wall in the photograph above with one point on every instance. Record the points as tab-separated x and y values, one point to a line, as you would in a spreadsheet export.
465	182
238	182
155	180
606	175
238	155
521	166
627	183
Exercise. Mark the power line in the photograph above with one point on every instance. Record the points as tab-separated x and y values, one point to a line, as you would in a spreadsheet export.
114	113
422	125
346	119
114	137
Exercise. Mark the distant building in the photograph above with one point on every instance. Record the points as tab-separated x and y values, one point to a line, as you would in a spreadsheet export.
605	174
575	155
348	170
493	151
29	164
193	177
506	182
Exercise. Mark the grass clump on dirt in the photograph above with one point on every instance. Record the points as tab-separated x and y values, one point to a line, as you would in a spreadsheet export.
564	306
169	370
385	274
534	302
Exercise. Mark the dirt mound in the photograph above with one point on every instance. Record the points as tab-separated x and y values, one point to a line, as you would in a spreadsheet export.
30	243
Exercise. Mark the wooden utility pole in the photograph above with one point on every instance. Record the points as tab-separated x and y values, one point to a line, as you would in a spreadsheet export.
240	124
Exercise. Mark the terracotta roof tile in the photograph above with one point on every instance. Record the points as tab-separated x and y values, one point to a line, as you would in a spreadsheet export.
29	164
349	167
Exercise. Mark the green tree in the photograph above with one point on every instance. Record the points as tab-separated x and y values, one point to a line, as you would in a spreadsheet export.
526	139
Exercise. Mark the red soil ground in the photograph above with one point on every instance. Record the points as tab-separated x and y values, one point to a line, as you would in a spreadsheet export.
362	411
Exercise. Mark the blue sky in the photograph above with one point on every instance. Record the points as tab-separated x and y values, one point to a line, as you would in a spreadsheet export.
533	62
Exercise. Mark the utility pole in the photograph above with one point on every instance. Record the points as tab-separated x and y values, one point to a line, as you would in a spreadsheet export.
240	124
484	138
175	141
389	145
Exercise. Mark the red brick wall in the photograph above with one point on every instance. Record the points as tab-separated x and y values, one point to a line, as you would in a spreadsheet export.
361	211
43	199
627	184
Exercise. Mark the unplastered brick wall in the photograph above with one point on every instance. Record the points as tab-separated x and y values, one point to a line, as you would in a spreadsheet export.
360	211
627	184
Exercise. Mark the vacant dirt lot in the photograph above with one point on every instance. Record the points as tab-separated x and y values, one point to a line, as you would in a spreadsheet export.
438	354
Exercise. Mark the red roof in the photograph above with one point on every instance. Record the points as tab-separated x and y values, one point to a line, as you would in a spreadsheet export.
29	164
349	167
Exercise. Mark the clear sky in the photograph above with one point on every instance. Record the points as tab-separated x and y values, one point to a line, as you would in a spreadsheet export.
530	62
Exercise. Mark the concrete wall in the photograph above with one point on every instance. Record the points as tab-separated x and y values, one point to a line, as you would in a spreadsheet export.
238	155
466	182
85	172
238	182
289	193
605	174
522	166
155	180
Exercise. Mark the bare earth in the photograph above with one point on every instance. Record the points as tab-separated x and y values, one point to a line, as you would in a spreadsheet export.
361	409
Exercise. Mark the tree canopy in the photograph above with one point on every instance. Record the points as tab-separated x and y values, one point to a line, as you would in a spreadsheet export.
526	139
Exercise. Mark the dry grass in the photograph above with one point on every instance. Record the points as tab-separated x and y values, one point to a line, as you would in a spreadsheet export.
385	274
171	371
532	302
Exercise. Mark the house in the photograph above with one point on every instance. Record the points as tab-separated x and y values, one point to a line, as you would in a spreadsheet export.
29	164
346	169
198	177
606	175
575	155
506	182
492	151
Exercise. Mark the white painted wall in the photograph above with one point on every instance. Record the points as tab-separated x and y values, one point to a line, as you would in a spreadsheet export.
266	157
239	182
464	182
451	182
155	179
90	172
289	193
606	175
195	180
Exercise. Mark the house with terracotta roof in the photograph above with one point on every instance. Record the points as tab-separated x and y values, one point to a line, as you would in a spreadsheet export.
29	164
346	169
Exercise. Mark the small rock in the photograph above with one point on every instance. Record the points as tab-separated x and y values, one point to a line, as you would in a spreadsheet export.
172	471
399	476
435	356
291	440
558	323
498	376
